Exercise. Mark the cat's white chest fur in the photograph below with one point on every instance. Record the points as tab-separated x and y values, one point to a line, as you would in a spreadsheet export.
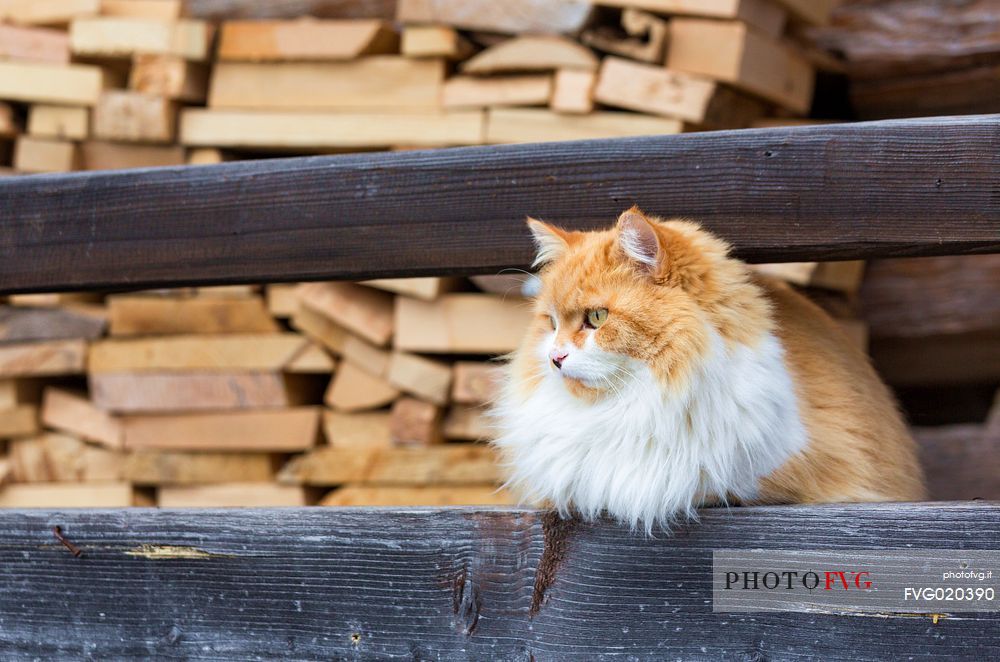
646	457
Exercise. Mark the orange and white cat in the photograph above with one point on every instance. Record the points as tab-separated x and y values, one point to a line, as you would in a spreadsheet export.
660	375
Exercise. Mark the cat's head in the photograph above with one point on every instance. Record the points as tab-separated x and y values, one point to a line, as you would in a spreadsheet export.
645	294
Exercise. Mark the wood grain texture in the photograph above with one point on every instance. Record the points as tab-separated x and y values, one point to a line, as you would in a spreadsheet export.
908	187
449	584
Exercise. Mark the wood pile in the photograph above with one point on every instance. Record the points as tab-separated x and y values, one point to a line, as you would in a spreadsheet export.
286	395
92	84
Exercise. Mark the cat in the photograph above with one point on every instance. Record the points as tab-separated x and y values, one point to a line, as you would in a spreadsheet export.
660	374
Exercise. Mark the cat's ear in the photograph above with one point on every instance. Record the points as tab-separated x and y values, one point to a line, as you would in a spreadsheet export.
551	242
639	240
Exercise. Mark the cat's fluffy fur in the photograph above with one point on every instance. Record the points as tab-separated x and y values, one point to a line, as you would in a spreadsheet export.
704	385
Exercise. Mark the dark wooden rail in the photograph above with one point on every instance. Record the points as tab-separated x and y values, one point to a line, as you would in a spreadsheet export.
458	583
910	187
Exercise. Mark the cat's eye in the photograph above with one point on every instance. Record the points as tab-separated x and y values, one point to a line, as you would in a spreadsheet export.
552	322
597	317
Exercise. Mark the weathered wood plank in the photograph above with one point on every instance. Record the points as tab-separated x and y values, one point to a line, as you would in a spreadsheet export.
449	584
908	187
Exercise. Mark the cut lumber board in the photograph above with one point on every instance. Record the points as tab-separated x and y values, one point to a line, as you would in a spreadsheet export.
314	360
467	423
33	44
573	91
414	422
178	468
373	360
521	125
169	76
42	359
59	122
232	495
428	288
380	82
177	392
54	299
34	155
394	576
47	12
318	327
422	377
645	37
73	413
327	466
359	430
531	53
461	324
510	16
259	352
304	40
434	41
732	53
282	300
361	310
123	37
481	92
455	198
22	324
659	91
363	495
354	389
56	458
108	495
206	156
163	10
475	382
36	82
277	431
131	315
766	16
18	421
130	116
315	131
444	464
101	155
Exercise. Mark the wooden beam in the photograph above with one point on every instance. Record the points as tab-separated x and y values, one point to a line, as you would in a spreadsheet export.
476	583
785	194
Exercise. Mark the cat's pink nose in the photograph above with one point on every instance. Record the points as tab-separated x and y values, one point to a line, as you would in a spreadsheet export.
558	356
